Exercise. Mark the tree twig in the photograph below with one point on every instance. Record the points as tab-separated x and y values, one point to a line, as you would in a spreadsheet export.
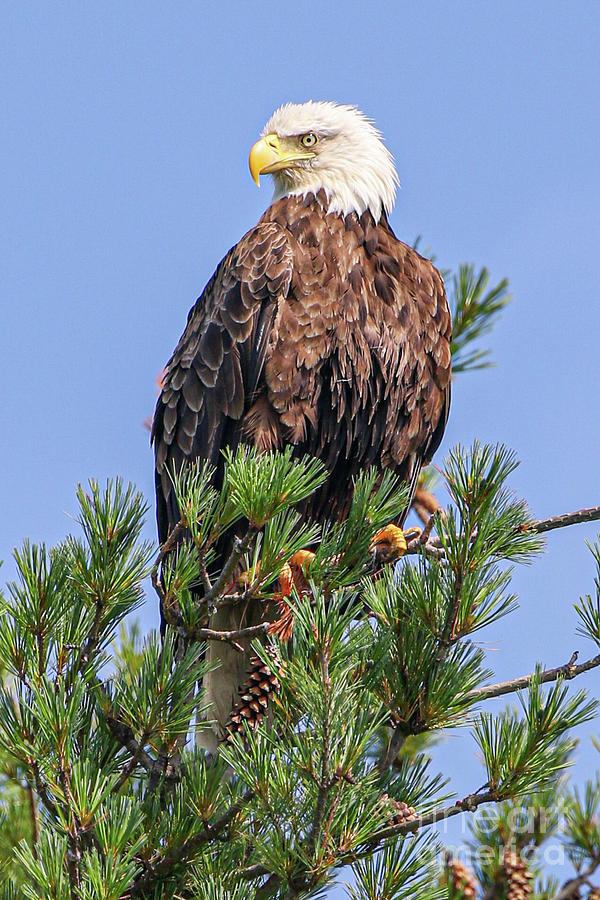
468	804
42	791
324	782
165	548
237	551
229	637
569	888
395	742
590	514
433	545
426	533
35	825
187	849
568	670
131	765
121	732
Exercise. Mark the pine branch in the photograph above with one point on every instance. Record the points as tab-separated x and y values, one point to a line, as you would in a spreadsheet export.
475	308
123	733
568	671
325	783
432	546
179	855
448	634
569	889
393	748
589	514
166	548
229	637
35	823
74	829
42	791
91	643
468	804
238	550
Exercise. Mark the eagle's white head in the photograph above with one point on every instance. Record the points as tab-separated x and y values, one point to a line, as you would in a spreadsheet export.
315	146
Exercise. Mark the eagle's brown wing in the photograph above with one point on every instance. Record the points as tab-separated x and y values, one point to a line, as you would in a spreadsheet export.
211	378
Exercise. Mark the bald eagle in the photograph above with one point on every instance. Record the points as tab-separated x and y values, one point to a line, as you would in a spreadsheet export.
319	329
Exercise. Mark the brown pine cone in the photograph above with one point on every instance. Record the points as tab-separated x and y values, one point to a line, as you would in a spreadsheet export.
594	894
518	877
400	812
261	682
464	883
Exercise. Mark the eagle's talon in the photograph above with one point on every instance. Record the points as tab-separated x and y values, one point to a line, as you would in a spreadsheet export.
293	573
388	544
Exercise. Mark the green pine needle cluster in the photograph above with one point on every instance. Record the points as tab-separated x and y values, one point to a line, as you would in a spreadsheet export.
475	308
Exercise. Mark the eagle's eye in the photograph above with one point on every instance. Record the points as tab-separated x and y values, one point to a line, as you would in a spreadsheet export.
309	140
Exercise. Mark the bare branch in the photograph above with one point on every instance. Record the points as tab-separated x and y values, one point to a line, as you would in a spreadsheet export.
426	533
568	670
255	871
590	514
431	546
569	889
230	637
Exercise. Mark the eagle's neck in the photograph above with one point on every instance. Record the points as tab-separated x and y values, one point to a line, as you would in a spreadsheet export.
340	196
305	215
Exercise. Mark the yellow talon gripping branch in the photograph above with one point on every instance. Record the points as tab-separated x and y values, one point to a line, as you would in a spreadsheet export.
388	544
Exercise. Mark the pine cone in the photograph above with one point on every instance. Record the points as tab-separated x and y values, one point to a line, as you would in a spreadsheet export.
518	877
462	879
594	894
261	682
400	813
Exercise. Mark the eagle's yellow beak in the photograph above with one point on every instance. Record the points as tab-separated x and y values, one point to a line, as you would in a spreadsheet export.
270	154
264	154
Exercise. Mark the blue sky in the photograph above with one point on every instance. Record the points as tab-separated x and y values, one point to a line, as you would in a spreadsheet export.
126	132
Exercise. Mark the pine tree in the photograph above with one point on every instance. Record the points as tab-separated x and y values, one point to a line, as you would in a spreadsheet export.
359	664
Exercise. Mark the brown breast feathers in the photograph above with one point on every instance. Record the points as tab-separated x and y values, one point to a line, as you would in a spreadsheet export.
316	330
